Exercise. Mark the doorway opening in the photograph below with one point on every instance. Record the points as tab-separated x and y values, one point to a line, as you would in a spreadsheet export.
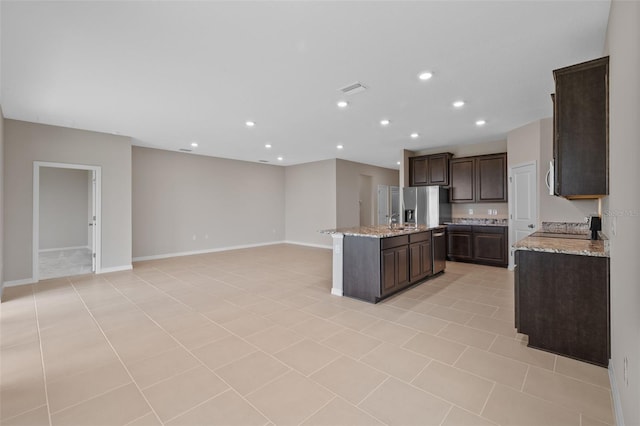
523	203
66	220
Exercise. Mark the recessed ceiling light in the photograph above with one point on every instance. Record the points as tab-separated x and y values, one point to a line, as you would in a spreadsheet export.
268	145
458	104
339	146
414	135
250	123
425	75
398	163
480	123
384	122
280	158
342	104
194	144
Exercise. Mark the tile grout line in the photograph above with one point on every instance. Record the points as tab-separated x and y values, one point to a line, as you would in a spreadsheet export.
198	359
114	349
44	372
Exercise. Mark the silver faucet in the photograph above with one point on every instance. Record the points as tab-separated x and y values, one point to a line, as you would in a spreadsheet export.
392	219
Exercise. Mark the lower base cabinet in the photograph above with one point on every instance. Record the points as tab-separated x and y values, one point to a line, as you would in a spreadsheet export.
374	268
562	304
487	245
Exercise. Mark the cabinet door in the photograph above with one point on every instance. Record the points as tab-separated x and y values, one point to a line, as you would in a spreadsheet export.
402	266
491	179
462	173
389	279
489	248
582	133
460	245
426	263
438	169
415	267
418	175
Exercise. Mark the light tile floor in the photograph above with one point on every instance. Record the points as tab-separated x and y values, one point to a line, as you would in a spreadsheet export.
254	337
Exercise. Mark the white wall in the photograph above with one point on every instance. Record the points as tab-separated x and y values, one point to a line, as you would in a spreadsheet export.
310	202
622	208
534	142
348	189
1	202
185	203
64	220
28	142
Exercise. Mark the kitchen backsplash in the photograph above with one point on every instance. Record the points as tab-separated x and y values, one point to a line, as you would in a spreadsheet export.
480	211
479	221
566	227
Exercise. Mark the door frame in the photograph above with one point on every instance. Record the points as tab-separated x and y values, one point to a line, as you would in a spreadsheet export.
512	199
97	195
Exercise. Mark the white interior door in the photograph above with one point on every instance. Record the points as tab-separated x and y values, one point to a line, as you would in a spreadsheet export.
523	203
383	204
93	228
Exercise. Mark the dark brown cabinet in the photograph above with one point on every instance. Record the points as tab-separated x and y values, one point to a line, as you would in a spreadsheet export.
490	245
421	256
460	242
374	268
462	172
429	170
562	303
395	269
581	130
480	179
491	180
487	245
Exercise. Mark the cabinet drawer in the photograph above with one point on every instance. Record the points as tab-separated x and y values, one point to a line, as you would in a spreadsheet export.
488	229
401	240
459	228
422	236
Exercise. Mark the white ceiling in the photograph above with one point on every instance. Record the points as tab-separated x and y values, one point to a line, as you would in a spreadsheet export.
168	73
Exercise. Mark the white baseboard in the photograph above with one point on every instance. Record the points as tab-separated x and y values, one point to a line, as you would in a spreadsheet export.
298	243
212	250
336	292
116	269
615	395
64	248
14	283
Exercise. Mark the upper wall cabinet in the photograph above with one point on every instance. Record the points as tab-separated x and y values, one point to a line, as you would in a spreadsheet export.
429	170
581	130
481	179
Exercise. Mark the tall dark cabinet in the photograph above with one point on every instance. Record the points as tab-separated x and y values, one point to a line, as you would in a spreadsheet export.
581	130
429	170
480	179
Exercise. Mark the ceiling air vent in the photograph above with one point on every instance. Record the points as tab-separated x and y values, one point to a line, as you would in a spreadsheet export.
353	88
185	150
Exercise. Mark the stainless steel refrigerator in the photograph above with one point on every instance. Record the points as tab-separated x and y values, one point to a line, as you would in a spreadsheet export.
426	205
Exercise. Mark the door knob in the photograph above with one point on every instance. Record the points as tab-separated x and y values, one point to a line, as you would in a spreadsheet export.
531	225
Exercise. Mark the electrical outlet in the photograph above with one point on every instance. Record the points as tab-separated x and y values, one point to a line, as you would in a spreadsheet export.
206	236
489	212
470	211
194	237
613	224
495	212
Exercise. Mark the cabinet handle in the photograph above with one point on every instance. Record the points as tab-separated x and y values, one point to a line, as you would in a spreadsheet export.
439	234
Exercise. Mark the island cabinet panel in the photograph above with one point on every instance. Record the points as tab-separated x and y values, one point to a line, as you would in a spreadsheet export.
421	257
374	268
562	303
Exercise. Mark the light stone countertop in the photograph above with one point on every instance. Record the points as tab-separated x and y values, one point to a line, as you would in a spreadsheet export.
380	231
596	248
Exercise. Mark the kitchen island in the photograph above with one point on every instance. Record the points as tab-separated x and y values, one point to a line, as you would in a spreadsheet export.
562	294
374	262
